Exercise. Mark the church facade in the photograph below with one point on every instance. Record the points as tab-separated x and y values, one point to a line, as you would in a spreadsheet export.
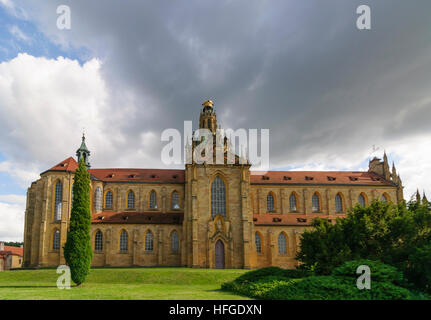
206	216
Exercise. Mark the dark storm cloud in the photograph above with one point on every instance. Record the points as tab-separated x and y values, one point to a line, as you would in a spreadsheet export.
299	68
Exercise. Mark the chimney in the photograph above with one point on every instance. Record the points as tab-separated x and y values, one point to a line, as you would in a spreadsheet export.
1	246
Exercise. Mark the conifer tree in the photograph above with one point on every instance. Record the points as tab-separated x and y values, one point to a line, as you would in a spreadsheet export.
77	250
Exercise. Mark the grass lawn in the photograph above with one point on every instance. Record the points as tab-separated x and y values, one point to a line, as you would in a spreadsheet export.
121	283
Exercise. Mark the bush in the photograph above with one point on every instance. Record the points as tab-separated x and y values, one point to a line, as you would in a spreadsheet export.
278	284
397	235
419	268
379	271
272	272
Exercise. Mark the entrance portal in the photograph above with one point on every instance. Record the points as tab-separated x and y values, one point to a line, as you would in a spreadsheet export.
219	255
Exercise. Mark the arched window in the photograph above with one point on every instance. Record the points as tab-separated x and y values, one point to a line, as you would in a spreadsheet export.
124	241
384	198
56	240
175	200
130	200
258	241
175	245
98	199
361	200
98	241
292	202
153	200
108	200
315	200
338	203
282	248
58	200
218	197
149	241
270	202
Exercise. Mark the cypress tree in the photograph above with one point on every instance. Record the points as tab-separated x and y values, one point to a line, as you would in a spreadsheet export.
77	250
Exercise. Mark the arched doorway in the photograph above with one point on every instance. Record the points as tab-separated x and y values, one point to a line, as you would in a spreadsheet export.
219	255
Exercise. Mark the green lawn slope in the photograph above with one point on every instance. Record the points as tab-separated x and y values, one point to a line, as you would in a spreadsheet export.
122	283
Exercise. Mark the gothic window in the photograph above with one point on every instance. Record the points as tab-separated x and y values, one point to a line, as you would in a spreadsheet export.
149	241
98	241
58	200
153	200
282	249
270	202
131	200
218	197
56	240
98	199
109	200
315	200
292	202
384	198
361	200
258	243
124	241
175	200
338	203
175	246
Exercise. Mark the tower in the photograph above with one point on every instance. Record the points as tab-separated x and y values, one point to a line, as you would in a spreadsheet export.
83	152
208	117
217	205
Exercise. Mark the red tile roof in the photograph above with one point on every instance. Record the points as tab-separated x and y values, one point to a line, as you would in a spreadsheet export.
12	251
138	217
318	177
256	177
68	165
139	175
269	219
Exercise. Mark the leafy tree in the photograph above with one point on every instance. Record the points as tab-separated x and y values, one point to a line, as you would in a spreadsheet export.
14	244
398	235
77	250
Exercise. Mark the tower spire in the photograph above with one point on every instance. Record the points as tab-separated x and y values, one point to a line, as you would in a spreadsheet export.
418	196
83	152
208	118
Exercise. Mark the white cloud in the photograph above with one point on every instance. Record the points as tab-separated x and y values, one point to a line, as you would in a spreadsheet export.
13	199
44	106
414	163
18	33
12	220
16	11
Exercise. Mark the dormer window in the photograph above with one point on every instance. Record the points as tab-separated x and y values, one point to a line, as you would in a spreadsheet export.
308	178
353	178
287	178
111	175
132	176
331	178
265	178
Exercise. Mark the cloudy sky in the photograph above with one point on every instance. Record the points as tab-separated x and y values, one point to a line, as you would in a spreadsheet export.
127	70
